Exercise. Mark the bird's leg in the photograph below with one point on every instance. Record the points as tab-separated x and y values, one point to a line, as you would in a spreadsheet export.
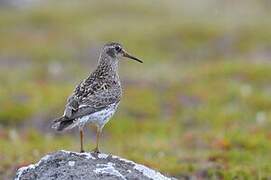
98	133
81	140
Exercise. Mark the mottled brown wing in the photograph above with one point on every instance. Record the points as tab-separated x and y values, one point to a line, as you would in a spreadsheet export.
101	98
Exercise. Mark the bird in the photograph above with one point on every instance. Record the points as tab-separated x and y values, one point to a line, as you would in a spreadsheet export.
96	98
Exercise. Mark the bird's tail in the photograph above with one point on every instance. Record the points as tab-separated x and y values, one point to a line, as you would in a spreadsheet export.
62	123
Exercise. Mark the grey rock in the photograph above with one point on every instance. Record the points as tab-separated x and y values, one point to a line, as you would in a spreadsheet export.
67	165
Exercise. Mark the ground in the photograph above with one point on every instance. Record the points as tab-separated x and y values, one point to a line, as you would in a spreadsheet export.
198	105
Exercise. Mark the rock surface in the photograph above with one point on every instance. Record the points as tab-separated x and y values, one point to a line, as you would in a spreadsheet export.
71	165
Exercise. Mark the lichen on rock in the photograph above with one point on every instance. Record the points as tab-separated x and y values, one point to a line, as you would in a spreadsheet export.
71	165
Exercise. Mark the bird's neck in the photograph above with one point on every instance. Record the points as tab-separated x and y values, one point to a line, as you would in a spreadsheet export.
108	65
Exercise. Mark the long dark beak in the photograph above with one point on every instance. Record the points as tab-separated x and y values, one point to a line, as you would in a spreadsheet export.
125	54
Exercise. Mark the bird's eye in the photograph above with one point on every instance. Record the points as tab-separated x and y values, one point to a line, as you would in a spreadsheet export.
118	48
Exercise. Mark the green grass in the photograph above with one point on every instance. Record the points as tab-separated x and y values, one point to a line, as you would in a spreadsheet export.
209	126
199	105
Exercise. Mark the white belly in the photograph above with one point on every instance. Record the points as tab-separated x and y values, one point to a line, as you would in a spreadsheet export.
99	118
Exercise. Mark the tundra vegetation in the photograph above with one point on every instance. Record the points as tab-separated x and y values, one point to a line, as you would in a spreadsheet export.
199	105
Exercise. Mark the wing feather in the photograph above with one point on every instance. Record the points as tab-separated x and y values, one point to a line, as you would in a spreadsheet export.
93	94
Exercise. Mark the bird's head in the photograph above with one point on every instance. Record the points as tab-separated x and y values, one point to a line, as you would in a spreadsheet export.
116	51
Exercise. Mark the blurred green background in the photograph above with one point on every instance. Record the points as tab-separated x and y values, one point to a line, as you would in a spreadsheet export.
198	106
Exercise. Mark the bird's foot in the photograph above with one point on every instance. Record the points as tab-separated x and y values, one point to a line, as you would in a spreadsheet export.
96	150
82	151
